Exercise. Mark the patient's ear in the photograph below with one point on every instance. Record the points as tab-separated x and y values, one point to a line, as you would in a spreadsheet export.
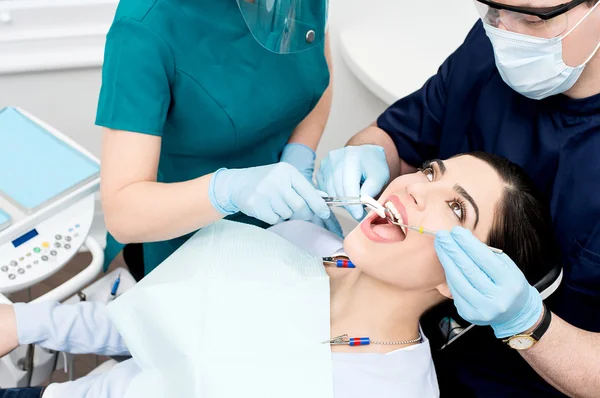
444	290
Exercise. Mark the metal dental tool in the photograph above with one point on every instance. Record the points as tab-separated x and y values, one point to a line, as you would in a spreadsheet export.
390	217
336	201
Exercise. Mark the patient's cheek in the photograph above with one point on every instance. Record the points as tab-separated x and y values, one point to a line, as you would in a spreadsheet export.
355	247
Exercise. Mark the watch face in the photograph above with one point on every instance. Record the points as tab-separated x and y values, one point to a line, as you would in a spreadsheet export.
521	342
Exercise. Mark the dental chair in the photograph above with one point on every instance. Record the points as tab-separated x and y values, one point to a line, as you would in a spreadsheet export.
443	325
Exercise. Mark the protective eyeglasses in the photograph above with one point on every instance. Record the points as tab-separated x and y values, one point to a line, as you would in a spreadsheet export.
543	22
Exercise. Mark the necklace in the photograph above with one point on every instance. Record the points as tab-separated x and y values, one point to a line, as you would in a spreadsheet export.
358	341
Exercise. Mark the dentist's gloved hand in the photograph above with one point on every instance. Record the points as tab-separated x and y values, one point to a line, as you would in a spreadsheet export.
487	288
344	170
301	157
269	193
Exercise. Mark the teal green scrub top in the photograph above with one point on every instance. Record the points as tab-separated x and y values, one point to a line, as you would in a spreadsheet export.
191	73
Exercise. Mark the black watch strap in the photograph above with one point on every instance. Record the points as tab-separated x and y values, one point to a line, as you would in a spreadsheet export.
543	326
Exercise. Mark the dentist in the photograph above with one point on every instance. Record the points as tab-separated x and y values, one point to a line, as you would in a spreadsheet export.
524	85
210	109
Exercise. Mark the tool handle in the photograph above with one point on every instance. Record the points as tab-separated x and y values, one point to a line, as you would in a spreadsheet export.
432	233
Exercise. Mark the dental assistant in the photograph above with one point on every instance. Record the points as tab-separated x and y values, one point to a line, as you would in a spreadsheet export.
210	108
524	85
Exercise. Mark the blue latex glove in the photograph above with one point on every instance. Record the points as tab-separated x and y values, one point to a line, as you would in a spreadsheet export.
269	193
343	170
487	288
301	157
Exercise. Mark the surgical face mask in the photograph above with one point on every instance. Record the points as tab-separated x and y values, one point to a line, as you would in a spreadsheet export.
533	66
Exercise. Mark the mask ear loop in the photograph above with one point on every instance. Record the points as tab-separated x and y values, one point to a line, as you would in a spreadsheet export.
577	25
581	20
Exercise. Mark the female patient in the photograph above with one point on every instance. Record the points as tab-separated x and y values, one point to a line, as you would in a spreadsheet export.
398	277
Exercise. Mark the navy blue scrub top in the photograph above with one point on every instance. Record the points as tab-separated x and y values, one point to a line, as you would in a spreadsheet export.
467	107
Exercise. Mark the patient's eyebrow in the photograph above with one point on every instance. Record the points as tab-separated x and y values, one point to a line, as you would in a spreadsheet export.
462	192
440	164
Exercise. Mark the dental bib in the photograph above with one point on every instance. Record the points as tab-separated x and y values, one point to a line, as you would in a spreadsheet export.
236	311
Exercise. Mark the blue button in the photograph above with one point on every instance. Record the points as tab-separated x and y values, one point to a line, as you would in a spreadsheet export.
77	226
70	229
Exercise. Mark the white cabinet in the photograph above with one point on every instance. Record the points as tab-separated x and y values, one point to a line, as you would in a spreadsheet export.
40	35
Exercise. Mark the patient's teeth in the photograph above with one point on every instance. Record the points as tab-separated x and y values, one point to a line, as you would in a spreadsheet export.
391	208
396	214
402	226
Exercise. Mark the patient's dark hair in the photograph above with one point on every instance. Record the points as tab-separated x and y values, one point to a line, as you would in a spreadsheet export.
522	225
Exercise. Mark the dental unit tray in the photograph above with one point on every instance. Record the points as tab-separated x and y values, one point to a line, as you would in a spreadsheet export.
47	187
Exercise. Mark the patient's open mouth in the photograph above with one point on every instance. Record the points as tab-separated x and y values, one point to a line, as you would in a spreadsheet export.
380	229
395	215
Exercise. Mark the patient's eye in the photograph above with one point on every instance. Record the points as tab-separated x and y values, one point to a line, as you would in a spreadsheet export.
458	207
429	173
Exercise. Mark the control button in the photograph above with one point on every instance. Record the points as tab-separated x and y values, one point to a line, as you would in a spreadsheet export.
13	263
21	271
67	246
68	238
35	262
57	245
11	276
77	226
28	255
36	249
44	258
70	229
28	266
45	245
53	252
4	268
76	235
57	237
22	258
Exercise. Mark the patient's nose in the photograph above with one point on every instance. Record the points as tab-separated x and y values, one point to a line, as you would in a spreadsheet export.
416	195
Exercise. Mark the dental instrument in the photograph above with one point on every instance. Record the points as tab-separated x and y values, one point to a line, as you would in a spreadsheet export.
392	219
359	341
364	200
338	262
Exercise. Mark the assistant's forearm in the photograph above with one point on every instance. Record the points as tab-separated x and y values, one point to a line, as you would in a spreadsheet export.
9	338
568	358
373	135
310	130
148	211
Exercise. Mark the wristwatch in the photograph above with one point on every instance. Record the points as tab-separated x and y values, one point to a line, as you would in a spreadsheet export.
525	341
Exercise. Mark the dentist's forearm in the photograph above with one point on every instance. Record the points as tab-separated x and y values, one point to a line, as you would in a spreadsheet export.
373	135
9	338
568	358
148	211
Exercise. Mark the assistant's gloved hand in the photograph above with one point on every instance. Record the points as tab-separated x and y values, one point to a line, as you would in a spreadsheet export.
301	157
487	288
343	170
269	193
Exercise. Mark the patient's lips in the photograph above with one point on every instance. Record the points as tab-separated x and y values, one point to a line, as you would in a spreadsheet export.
380	230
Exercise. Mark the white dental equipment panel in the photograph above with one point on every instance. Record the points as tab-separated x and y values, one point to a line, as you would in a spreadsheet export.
47	186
